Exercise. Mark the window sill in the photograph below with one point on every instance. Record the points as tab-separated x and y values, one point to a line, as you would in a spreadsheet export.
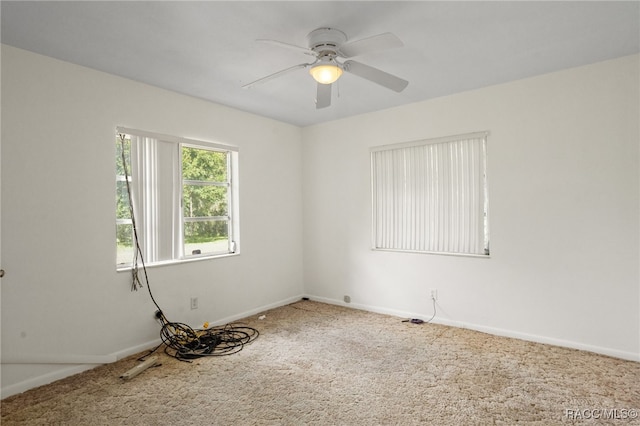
176	261
480	256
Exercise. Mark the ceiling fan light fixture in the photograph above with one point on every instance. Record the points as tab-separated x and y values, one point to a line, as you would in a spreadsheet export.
326	73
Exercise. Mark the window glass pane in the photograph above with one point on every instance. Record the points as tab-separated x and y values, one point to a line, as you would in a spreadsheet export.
124	243
127	155
124	228
204	165
122	201
205	195
206	236
204	201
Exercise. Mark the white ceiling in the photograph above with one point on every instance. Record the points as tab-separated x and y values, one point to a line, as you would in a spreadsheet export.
209	49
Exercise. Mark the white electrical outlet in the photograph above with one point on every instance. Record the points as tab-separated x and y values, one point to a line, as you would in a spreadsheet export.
433	293
194	303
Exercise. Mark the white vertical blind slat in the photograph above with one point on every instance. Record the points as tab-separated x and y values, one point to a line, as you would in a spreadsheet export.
144	174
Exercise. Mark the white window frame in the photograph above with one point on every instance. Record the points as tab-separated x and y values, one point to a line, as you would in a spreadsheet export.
230	200
431	196
156	184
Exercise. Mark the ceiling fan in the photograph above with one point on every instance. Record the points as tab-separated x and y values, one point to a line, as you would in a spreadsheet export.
326	45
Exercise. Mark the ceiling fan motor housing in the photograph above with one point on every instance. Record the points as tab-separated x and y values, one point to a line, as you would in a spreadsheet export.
326	41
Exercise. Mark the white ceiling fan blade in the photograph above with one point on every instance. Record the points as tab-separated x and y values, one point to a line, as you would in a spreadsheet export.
300	49
323	98
370	44
275	75
375	75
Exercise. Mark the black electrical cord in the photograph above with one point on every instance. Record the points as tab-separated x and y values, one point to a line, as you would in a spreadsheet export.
180	340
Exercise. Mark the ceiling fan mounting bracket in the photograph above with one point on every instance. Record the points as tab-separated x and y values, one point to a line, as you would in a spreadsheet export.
326	40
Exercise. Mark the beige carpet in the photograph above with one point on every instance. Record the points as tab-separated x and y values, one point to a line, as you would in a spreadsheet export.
327	365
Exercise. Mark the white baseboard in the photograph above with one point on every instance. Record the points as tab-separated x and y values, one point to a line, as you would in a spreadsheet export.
71	364
629	356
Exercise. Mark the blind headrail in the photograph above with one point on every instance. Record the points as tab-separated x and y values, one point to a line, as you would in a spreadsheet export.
175	139
421	142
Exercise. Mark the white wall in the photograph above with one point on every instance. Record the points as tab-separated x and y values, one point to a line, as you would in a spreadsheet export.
62	299
564	211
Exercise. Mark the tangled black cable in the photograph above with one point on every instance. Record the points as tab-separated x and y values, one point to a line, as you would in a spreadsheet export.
185	343
180	340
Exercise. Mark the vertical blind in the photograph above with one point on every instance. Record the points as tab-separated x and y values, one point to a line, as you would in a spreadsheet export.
153	172
431	195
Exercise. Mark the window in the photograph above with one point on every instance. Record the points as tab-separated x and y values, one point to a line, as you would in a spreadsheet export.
184	198
431	196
